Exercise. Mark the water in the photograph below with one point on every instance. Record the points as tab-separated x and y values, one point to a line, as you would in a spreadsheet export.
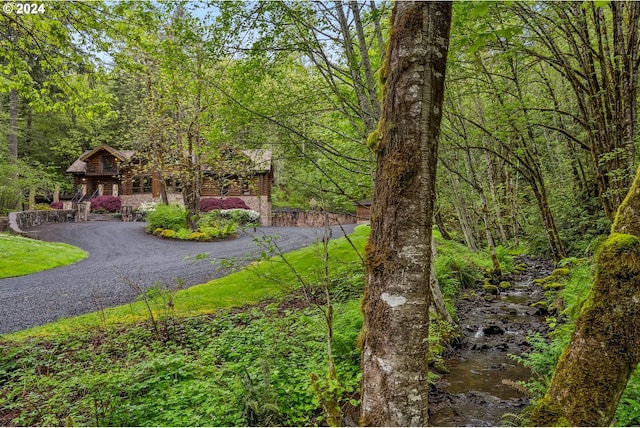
477	386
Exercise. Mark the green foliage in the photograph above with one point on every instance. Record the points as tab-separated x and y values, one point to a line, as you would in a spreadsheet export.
168	221
211	371
170	217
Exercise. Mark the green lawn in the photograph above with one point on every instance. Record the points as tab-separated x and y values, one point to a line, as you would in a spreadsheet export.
269	278
22	256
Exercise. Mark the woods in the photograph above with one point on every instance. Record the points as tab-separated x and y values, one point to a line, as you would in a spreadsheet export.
528	144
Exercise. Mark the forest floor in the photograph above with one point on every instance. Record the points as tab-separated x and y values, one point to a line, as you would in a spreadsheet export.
481	385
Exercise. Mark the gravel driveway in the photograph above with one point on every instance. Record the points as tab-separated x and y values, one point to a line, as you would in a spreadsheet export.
121	252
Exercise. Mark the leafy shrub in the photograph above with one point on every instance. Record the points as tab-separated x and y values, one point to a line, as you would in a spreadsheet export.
183	234
56	205
107	203
219	230
42	207
168	233
167	217
209	204
198	236
241	216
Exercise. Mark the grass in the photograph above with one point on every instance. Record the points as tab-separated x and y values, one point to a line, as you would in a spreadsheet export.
22	256
268	278
221	360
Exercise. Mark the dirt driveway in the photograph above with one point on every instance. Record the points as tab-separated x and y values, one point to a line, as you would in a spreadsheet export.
118	253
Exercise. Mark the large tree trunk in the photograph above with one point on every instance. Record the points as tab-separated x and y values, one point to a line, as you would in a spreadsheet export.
594	369
397	297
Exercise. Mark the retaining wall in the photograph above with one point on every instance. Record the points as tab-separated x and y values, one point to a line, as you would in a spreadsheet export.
22	220
299	218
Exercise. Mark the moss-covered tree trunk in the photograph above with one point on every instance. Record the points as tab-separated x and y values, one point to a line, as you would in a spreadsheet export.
397	297
594	369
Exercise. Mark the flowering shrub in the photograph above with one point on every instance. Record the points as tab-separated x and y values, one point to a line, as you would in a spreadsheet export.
56	205
106	203
241	216
146	207
209	204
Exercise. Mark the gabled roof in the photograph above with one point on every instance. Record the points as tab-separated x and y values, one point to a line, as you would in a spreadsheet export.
80	164
261	159
123	155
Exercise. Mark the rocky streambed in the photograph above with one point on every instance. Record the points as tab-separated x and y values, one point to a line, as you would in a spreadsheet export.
479	388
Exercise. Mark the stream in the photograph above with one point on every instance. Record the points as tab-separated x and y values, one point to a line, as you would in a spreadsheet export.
475	392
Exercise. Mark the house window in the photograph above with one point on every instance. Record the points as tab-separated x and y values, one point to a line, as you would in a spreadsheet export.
107	164
246	189
141	184
173	185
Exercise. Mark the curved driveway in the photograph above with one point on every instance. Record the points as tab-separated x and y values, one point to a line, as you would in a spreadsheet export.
121	253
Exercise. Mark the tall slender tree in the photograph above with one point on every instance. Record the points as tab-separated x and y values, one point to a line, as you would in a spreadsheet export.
398	254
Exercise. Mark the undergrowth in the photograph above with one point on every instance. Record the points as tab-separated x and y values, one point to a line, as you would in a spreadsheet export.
546	351
260	364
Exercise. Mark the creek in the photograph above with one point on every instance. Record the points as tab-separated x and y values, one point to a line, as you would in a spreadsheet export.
477	390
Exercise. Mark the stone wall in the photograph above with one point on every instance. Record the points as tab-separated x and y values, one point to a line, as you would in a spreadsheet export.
4	224
20	222
298	218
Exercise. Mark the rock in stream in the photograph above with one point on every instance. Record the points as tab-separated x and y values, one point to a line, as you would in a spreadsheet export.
477	390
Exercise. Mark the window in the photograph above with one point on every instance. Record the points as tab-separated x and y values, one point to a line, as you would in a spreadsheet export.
141	184
146	184
108	164
173	185
245	188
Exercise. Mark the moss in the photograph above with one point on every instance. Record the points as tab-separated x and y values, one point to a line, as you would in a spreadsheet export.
491	289
627	219
377	259
541	304
541	281
620	254
547	414
553	286
373	141
505	285
560	272
522	267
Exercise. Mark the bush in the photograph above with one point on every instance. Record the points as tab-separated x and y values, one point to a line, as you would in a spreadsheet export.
241	216
107	203
146	207
42	207
56	205
209	204
171	217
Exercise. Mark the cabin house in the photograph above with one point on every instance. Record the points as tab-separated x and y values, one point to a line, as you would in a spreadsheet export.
363	211
107	171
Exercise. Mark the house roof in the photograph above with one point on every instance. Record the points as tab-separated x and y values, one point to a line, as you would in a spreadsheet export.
80	164
260	159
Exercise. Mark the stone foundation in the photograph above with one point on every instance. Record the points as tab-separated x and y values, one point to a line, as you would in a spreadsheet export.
22	220
298	218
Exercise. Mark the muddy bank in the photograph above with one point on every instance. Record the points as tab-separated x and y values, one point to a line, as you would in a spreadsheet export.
478	390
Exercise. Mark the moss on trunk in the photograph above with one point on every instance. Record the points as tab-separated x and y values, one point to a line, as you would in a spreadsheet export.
593	370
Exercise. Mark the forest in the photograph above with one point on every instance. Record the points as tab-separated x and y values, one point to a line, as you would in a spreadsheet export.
536	144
